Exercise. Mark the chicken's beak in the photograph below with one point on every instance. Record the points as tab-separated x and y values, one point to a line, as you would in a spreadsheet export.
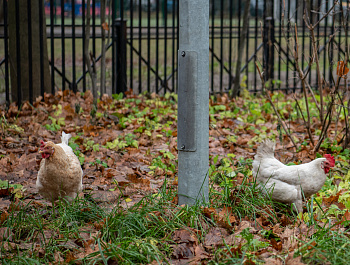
41	151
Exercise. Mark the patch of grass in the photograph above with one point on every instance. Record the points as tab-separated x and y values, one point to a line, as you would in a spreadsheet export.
326	245
142	233
40	233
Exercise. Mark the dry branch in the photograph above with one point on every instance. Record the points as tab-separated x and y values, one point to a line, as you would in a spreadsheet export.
273	106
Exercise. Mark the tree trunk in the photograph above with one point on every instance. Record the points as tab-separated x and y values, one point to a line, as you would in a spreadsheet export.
242	39
24	51
268	41
88	56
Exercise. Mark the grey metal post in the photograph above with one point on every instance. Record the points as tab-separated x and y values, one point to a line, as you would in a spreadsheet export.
193	101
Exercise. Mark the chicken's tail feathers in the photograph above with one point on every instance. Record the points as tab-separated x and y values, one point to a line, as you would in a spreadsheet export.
265	149
65	137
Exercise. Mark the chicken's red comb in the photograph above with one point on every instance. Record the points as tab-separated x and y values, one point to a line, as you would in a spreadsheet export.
42	144
331	159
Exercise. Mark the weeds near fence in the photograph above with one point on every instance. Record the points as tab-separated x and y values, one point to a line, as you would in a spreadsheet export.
331	94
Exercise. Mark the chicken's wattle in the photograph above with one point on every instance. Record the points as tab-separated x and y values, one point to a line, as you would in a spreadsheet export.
45	155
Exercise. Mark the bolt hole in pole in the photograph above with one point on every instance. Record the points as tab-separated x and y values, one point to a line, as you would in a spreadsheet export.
183	54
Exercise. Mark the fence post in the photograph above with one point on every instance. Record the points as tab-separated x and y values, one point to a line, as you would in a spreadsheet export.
268	40
193	101
119	56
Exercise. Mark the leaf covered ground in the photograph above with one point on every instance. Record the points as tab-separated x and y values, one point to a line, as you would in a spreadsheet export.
128	210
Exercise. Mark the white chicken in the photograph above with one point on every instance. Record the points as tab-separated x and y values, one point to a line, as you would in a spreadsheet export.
288	184
60	173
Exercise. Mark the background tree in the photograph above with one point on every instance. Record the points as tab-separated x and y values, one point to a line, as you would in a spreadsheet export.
241	44
24	51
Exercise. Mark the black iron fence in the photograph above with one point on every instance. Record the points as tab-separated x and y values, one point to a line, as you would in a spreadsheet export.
52	45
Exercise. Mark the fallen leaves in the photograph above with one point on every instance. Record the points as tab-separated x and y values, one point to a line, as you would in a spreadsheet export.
128	149
333	199
187	247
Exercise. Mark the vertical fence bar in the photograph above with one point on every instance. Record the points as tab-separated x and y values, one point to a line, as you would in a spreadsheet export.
256	43
41	44
247	53
230	49
149	45
30	50
303	42
7	83
174	51
131	85
165	84
122	52
157	46
212	44
318	16
94	26
140	46
330	73
18	56
84	32
121	63
310	44
279	40
123	49
347	25
221	42
52	43
114	52
63	48
339	34
239	21
239	27
295	67
74	85
288	51
325	41
178	39
347	36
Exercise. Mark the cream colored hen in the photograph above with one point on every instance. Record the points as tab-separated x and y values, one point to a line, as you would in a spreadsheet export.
60	173
287	184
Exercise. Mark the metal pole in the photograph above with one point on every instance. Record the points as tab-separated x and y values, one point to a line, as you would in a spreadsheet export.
120	55
193	104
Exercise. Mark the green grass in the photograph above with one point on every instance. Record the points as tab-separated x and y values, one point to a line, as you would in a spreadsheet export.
327	244
30	224
139	234
136	235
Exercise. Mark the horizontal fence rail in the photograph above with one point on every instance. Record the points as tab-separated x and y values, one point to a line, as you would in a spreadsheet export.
136	42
